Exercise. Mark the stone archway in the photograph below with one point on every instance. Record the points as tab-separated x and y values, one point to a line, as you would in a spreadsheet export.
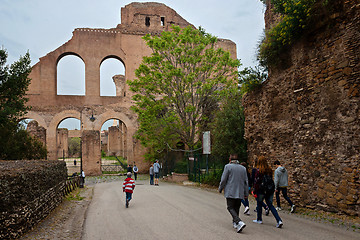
93	46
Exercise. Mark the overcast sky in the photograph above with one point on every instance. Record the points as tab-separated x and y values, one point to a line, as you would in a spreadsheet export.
41	26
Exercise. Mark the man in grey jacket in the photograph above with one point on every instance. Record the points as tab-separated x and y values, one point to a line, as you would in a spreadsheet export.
234	181
281	184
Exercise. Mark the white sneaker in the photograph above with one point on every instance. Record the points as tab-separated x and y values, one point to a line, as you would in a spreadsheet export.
278	208
246	211
240	226
292	209
235	224
279	224
257	221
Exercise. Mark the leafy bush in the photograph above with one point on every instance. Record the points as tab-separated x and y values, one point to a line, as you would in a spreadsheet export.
213	178
251	78
295	15
181	167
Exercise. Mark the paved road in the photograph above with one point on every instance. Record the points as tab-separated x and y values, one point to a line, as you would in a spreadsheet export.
171	211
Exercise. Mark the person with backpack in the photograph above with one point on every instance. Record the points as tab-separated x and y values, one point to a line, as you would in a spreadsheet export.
135	170
264	188
281	184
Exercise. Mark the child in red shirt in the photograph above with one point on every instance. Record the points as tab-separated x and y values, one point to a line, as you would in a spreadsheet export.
128	188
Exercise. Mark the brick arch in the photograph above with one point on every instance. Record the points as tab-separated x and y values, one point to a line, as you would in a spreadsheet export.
64	54
115	57
36	117
55	121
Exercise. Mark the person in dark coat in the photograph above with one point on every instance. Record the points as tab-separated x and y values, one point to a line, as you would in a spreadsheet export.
262	171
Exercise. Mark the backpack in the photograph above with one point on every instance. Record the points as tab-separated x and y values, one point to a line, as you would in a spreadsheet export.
267	185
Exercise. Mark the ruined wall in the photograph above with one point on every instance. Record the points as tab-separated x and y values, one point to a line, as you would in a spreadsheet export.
115	143
37	131
90	143
307	114
29	191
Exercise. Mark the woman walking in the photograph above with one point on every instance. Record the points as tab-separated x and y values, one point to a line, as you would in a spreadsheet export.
264	189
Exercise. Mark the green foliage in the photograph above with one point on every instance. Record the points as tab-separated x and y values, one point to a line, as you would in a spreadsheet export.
228	129
295	15
74	146
16	143
251	78
213	178
181	167
179	86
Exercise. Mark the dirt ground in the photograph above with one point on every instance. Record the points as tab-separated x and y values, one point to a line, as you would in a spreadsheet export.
66	221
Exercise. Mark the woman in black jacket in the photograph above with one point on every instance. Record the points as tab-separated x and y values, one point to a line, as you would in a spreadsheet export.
260	189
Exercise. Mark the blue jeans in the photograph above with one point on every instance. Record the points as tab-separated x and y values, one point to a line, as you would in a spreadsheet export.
245	202
284	193
151	179
268	200
128	196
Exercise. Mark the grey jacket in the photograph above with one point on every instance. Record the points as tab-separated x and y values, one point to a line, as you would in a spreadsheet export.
234	181
281	177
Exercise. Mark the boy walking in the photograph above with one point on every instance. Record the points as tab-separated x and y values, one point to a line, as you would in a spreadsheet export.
128	188
281	184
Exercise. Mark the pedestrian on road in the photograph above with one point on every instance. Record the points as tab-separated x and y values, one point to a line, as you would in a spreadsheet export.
264	188
151	172
135	170
129	168
245	201
253	171
281	184
157	172
128	188
234	181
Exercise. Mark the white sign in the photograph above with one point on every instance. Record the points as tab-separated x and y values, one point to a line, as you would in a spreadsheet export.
206	143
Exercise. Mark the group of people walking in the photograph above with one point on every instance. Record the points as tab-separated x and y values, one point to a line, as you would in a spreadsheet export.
129	183
236	181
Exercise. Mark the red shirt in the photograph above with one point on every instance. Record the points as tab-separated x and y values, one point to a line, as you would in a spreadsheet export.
129	185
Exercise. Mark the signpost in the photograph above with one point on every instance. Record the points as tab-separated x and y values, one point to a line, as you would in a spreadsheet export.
206	148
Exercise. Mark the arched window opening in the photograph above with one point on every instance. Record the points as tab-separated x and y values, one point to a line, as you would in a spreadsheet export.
162	21
147	21
70	76
113	146
68	138
112	78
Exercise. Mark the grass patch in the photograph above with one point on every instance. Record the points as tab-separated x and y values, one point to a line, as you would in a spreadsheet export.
74	195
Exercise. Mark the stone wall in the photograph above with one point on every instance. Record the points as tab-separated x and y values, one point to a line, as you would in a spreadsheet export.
29	191
307	114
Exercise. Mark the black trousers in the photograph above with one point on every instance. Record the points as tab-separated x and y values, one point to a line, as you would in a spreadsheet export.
233	206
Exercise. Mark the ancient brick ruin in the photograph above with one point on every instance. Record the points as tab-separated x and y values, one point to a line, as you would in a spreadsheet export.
93	46
307	114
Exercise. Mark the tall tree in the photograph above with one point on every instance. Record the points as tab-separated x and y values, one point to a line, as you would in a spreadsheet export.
15	142
179	86
229	128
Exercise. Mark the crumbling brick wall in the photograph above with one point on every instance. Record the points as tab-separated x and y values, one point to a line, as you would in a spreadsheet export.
29	191
307	114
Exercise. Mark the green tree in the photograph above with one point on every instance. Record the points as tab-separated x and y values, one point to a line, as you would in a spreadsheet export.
74	146
15	142
179	86
229	128
251	78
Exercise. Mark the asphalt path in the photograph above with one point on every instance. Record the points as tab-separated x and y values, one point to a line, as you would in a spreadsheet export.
171	211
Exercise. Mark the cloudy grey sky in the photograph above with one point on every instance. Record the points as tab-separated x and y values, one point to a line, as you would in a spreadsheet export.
41	26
